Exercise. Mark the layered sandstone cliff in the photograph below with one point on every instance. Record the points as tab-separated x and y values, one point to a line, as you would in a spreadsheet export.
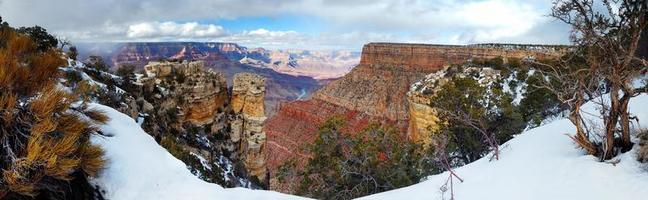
387	70
193	105
198	93
248	94
375	91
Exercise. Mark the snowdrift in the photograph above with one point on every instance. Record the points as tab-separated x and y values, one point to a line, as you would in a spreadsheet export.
542	163
138	168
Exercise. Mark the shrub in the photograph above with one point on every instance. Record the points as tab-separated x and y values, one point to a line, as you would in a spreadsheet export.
642	153
476	119
43	40
495	63
46	148
73	53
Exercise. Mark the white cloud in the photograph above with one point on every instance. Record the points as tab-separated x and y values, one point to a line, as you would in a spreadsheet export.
494	20
161	30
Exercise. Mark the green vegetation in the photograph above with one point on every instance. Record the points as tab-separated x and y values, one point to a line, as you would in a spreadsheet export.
538	103
345	166
43	40
477	119
495	63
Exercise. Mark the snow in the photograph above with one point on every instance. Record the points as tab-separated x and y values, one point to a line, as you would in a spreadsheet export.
138	168
73	64
542	163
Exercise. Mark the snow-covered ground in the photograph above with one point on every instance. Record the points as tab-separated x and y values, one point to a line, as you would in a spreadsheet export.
542	163
138	168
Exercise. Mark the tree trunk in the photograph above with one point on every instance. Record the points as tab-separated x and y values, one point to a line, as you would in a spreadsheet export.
624	120
611	122
581	138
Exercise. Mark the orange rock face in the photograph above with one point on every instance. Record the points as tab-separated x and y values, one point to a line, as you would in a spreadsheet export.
374	91
248	94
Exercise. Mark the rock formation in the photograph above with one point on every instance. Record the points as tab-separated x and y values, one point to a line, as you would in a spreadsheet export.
199	94
193	104
375	91
247	103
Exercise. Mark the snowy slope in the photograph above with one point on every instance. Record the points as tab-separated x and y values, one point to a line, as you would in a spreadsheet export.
542	163
138	168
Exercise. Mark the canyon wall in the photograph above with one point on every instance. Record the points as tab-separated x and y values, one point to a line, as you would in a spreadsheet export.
140	54
375	91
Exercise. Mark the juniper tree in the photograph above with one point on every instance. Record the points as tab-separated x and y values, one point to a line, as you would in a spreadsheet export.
606	36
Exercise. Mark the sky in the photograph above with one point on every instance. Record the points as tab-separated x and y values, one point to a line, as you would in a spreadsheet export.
293	24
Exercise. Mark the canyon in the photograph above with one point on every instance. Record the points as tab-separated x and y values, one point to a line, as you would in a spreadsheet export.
291	74
375	91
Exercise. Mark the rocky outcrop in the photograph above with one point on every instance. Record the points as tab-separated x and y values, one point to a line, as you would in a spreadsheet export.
422	118
375	91
193	105
198	93
247	102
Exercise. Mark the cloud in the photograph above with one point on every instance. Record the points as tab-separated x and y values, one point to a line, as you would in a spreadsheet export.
341	23
162	30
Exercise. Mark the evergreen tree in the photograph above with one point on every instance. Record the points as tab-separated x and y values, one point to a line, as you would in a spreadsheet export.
43	40
475	118
344	166
73	53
